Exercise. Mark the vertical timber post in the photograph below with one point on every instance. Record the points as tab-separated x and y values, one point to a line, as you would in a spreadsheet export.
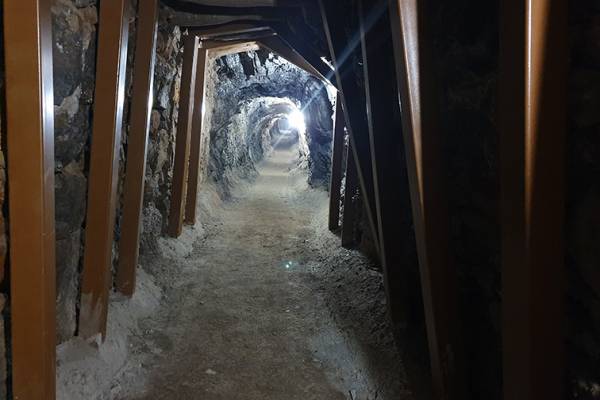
137	145
104	167
422	139
350	201
182	141
344	53
385	134
30	137
336	167
196	140
532	117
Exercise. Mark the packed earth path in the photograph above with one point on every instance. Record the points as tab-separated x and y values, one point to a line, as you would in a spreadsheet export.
248	315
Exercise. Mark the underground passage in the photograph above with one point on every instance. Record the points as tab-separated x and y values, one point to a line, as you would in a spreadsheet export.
299	199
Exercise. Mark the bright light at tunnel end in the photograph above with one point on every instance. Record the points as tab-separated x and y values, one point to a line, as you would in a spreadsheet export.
296	120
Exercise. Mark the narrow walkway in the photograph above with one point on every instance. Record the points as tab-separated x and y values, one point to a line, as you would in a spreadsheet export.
243	322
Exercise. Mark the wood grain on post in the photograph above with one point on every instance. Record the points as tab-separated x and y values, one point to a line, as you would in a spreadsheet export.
30	148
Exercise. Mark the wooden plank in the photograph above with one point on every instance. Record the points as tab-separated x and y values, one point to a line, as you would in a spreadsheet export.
335	183
137	145
343	53
219	49
352	198
184	130
423	146
387	147
104	167
30	146
532	121
196	140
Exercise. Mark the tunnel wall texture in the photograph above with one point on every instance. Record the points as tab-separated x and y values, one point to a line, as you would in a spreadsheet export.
242	106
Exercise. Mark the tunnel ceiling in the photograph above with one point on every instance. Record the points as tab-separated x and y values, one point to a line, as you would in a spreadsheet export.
292	19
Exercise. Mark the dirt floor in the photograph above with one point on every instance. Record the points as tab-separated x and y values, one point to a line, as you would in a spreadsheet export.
266	305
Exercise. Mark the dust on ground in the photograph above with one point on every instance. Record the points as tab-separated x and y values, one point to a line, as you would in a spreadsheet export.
260	303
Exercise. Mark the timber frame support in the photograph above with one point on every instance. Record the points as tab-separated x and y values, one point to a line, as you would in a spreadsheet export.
423	147
335	184
532	117
137	145
104	166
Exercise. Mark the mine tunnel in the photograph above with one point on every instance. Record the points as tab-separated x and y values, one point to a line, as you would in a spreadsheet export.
299	199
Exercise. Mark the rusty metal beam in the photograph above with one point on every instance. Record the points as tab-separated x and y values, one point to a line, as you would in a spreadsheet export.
30	146
392	199
352	201
184	130
335	183
345	54
104	167
532	121
423	146
196	140
219	49
137	145
213	32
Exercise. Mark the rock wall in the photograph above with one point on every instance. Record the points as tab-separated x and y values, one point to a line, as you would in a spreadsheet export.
242	104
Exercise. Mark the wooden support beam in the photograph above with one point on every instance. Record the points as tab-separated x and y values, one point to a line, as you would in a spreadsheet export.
296	38
352	200
423	146
30	146
219	49
279	46
104	167
335	183
532	121
196	140
387	148
184	130
217	31
137	145
344	53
